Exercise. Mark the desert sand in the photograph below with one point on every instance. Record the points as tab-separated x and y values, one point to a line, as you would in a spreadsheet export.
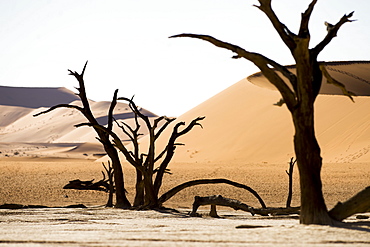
245	138
40	181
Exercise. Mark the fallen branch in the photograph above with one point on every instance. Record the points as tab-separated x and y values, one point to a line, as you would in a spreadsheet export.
360	203
166	196
237	205
87	185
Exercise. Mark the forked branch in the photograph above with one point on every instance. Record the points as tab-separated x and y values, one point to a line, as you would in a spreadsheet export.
303	30
332	32
285	34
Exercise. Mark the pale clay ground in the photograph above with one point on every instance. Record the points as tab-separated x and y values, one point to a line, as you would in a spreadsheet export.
40	181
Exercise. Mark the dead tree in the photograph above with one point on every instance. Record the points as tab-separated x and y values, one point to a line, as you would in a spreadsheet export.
150	166
299	97
290	184
111	189
103	137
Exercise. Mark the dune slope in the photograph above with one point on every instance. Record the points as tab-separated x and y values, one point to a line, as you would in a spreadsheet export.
243	125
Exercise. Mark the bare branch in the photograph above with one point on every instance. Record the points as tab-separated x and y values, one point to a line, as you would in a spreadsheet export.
170	149
161	154
303	30
83	70
332	32
125	131
82	92
168	121
285	34
117	142
83	124
111	109
136	110
190	126
59	106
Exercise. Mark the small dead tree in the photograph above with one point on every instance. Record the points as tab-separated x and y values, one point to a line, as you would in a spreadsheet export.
150	167
110	173
290	183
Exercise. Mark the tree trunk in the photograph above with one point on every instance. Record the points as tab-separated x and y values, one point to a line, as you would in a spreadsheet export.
151	198
313	207
121	199
290	184
139	196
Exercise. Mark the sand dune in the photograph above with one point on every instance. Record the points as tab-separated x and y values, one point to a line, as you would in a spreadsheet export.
17	124
242	125
10	114
33	97
244	138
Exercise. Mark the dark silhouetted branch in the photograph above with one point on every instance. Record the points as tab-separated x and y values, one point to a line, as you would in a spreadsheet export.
166	196
237	205
360	203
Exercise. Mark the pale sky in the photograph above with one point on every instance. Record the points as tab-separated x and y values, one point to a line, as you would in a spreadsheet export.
127	45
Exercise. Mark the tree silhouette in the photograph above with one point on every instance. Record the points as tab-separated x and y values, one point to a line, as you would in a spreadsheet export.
150	167
299	98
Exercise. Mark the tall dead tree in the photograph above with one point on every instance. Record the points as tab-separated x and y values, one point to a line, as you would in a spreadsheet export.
103	136
299	98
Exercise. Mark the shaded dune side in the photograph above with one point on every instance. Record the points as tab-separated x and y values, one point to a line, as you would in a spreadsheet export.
34	97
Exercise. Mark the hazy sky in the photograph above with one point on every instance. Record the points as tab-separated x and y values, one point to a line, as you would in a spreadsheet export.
127	45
